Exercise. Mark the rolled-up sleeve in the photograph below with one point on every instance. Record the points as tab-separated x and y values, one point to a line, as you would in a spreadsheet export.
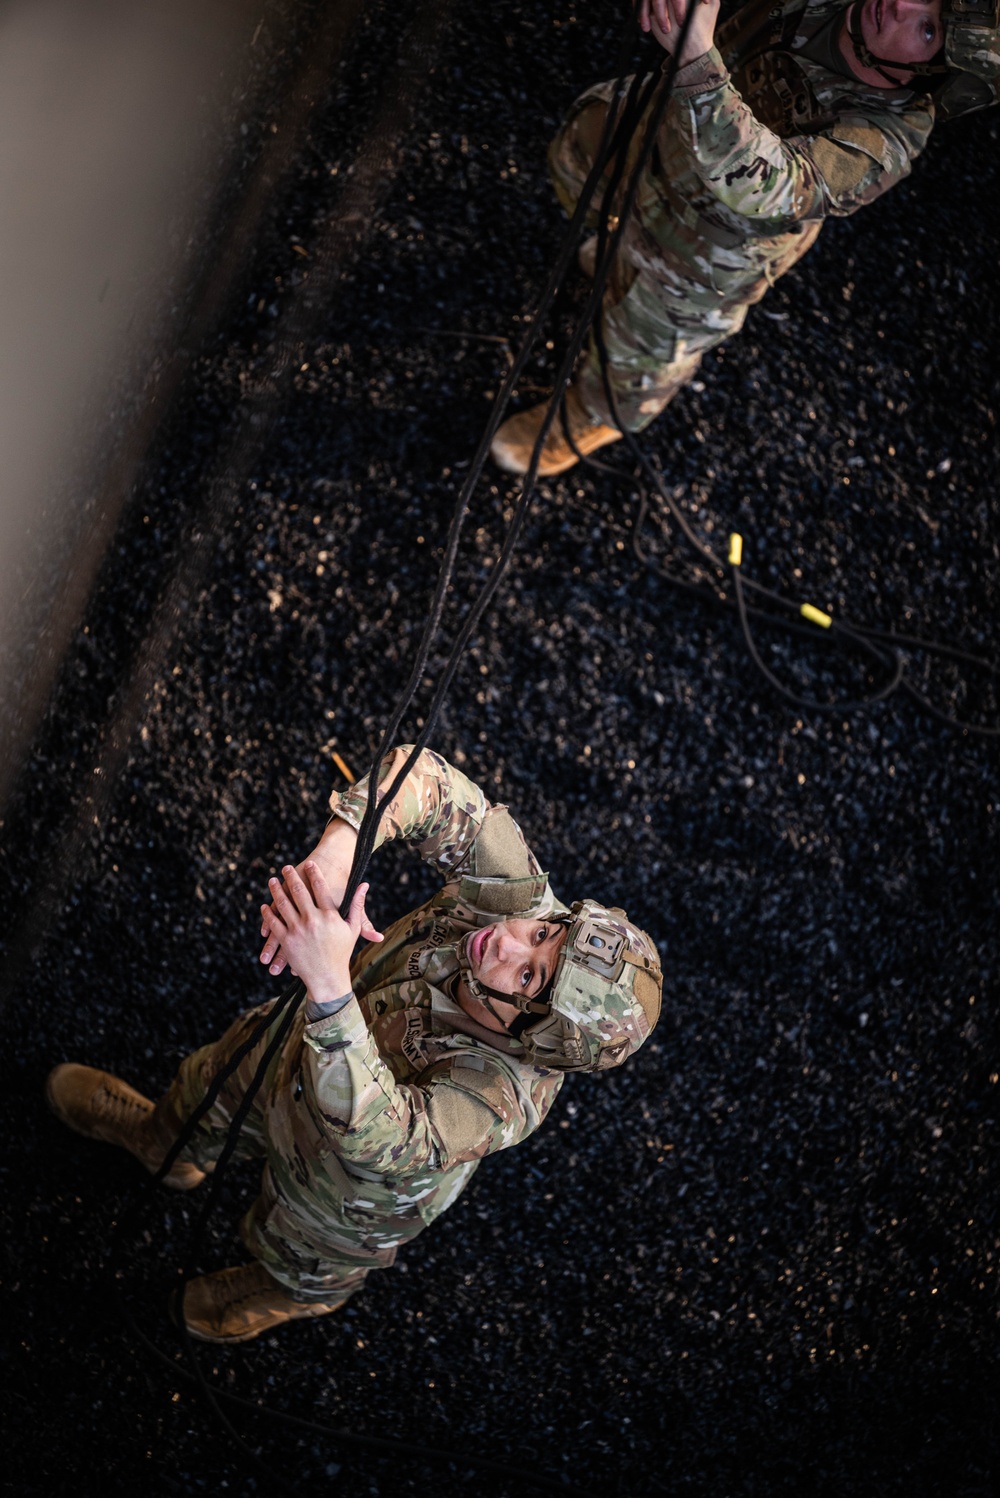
437	808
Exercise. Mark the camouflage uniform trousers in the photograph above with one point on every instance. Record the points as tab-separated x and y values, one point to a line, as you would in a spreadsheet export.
317	1228
655	339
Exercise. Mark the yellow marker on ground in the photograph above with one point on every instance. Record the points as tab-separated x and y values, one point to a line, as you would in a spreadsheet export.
808	611
735	549
342	767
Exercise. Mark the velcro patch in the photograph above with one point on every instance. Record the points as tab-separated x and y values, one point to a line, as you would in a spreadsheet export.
503	896
648	989
500	849
471	1073
863	137
470	1059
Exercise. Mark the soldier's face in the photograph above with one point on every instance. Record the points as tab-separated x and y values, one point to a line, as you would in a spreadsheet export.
517	956
900	30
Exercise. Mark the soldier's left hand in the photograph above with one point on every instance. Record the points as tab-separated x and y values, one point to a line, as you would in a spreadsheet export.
271	954
314	938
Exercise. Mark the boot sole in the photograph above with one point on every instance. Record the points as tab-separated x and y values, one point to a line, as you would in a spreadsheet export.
505	458
545	470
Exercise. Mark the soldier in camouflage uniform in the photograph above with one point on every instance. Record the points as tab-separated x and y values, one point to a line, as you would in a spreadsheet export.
798	110
444	1041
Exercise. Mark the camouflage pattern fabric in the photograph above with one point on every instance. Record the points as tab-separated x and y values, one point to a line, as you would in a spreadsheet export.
745	169
606	993
371	1122
973	49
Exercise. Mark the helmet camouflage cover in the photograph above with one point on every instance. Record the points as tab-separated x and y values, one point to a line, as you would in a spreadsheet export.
604	997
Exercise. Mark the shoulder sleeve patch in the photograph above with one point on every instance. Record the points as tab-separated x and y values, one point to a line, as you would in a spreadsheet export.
488	1083
843	167
463	1126
500	850
472	1108
863	137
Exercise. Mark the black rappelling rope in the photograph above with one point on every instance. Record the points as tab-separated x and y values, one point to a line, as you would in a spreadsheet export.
621	120
880	645
634	104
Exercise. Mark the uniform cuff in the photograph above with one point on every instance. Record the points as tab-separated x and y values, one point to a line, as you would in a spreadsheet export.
351	808
342	808
327	1009
705	72
334	1032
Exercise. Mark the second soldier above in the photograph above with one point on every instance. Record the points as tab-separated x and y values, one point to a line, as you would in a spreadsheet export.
796	111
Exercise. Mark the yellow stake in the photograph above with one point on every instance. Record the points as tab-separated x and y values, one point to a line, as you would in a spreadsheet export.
342	767
808	611
735	549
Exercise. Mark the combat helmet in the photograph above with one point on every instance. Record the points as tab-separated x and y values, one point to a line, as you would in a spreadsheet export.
965	75
603	998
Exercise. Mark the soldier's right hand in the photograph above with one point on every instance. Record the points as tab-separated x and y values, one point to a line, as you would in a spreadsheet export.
334	853
650	11
665	18
315	939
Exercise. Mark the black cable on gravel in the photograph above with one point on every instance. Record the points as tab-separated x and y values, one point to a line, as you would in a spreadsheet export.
762	1259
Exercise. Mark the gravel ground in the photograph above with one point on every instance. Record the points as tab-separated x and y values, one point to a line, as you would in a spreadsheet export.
760	1260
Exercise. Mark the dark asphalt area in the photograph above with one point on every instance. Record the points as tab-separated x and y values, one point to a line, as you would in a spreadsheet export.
762	1258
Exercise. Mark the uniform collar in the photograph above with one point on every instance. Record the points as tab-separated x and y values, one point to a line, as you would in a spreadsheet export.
445	1006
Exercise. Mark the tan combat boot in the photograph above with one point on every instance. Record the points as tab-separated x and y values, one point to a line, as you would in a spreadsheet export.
236	1305
103	1107
515	441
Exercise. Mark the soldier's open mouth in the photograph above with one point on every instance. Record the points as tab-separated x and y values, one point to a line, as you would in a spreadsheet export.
477	944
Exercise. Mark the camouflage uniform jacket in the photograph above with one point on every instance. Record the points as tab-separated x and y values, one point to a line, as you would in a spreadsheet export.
745	168
749	162
404	1092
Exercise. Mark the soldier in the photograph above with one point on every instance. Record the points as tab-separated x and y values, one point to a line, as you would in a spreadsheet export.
444	1041
803	108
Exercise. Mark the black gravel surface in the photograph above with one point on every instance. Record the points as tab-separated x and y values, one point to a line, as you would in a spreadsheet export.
762	1258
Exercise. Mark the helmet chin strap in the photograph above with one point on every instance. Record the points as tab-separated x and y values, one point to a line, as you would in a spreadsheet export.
867	58
484	994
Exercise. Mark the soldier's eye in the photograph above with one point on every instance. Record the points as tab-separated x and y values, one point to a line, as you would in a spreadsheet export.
541	935
929	32
525	977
